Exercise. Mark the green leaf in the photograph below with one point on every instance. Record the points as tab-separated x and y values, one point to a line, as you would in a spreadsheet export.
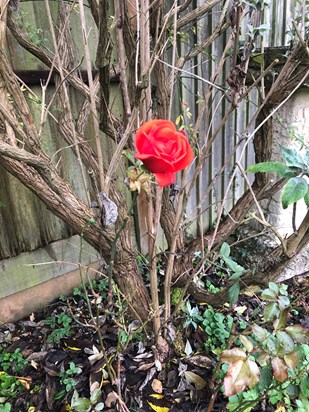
292	156
266	167
259	332
272	344
299	333
81	404
273	286
306	157
258	57
304	386
295	189
280	322
306	198
129	155
283	302
269	295
95	396
225	250
233	293
292	171
271	312
234	266
266	378
286	342
236	275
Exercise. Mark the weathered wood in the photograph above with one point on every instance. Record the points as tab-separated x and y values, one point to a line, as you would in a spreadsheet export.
35	77
32	268
27	301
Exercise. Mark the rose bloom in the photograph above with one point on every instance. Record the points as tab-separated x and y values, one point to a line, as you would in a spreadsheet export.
163	150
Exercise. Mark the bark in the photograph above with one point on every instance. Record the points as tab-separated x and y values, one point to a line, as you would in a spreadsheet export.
36	171
60	200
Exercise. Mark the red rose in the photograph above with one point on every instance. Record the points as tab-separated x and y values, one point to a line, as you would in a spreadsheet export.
163	150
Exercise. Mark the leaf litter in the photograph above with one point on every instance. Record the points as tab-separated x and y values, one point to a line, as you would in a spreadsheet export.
71	369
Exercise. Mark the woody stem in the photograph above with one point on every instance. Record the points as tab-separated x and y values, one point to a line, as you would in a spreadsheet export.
154	219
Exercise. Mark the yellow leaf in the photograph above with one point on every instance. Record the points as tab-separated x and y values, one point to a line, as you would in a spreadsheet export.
156	396
157	408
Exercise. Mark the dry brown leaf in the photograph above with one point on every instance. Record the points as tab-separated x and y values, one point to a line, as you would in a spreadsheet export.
111	399
201	361
194	378
157	386
145	367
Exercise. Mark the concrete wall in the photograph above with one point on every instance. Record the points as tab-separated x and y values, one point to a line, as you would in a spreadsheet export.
294	116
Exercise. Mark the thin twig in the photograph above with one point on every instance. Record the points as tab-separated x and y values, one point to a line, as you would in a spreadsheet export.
251	191
92	93
119	15
250	137
66	96
172	249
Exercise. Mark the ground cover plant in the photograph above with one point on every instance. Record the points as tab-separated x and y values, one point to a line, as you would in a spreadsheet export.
236	358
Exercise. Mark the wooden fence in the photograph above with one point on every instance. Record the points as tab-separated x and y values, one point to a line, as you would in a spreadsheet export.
31	235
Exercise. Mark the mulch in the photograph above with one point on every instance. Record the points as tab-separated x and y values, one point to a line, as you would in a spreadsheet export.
141	381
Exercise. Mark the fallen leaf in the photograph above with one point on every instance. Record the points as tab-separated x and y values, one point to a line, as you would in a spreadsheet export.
201	361
111	399
194	378
157	386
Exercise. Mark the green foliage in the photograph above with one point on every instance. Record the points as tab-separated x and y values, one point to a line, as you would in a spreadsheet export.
84	404
34	34
97	287
67	380
236	270
66	377
215	324
257	31
294	190
193	315
61	323
296	169
6	407
12	362
272	361
175	296
10	386
218	328
211	287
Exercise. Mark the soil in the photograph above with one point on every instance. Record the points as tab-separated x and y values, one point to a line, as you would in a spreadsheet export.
64	354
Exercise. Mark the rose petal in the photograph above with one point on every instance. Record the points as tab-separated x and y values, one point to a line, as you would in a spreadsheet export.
155	164
163	149
186	158
165	179
146	134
